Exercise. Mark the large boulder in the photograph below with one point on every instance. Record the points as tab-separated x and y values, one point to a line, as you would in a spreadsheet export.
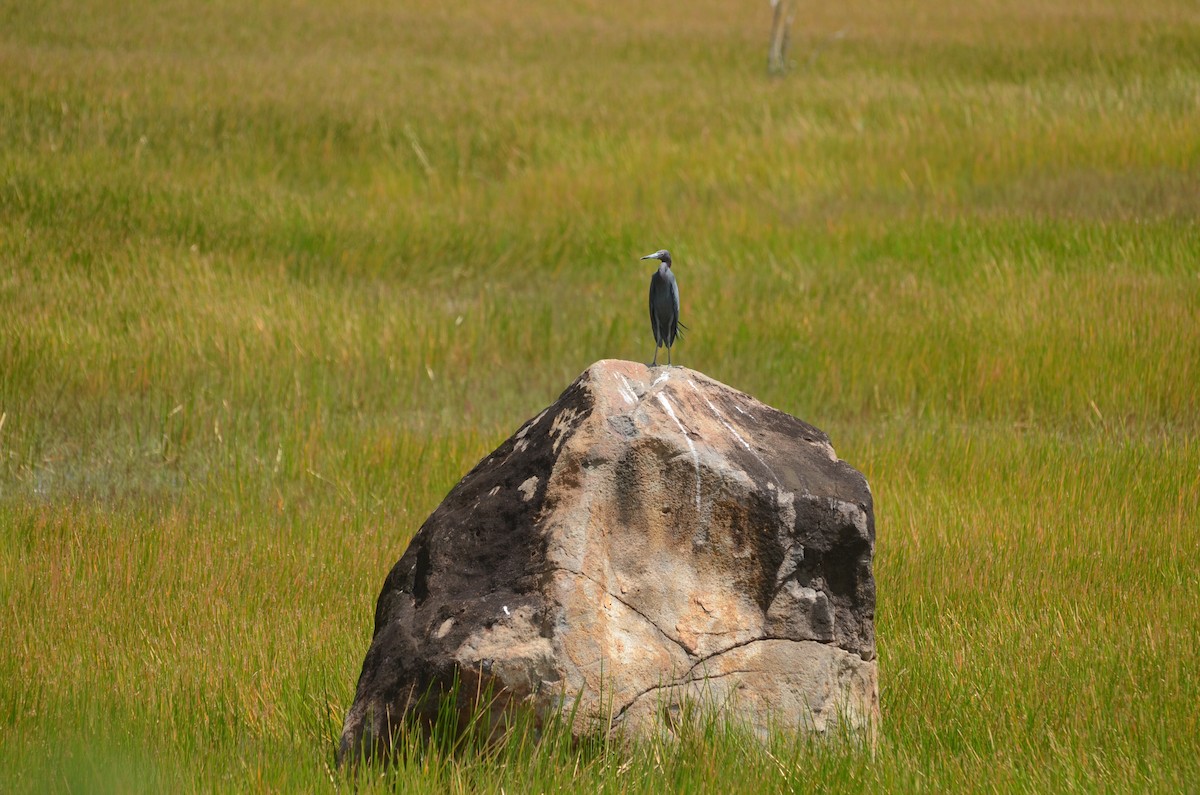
653	540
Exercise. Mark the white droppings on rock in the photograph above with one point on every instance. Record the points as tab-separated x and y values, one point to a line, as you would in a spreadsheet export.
626	390
528	488
691	445
729	427
720	417
495	490
444	629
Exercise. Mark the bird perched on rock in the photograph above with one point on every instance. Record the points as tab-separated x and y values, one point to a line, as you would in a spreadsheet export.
664	305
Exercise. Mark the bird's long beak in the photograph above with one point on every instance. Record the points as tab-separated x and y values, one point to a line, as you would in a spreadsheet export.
651	256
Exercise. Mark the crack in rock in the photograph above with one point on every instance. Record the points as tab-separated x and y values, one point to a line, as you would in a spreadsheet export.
686	678
633	609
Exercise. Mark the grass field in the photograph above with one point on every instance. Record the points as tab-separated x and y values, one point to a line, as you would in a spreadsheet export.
273	277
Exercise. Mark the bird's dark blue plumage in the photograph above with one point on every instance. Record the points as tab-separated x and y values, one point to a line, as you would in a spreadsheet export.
664	305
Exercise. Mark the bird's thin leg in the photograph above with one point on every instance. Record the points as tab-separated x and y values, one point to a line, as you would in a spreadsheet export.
668	356
655	362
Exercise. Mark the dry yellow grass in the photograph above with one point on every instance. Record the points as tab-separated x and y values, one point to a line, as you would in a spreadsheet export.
273	277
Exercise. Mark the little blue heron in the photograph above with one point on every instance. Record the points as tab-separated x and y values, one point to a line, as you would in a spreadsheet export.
664	305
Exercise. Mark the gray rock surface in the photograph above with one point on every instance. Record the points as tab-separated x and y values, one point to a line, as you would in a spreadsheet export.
653	539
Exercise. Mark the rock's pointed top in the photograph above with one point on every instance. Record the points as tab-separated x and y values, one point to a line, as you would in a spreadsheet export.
712	409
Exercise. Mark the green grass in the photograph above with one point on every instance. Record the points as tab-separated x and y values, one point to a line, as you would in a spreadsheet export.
273	278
